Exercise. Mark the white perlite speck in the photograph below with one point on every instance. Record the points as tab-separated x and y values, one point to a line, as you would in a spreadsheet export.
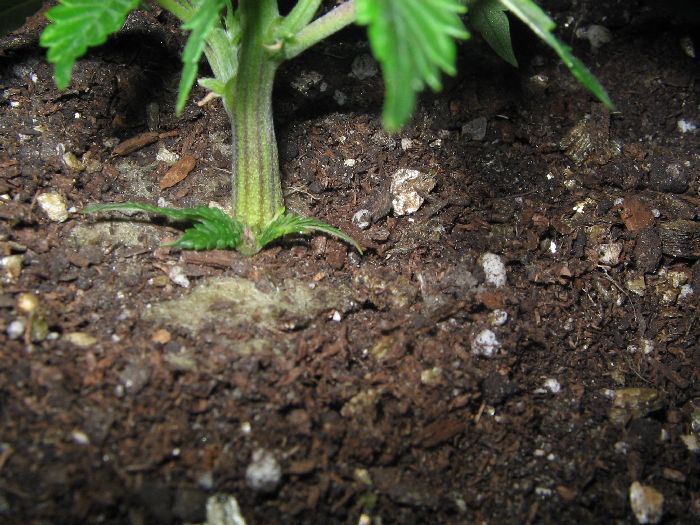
362	219
609	253
407	190
552	385
686	126
494	269
177	275
647	503
223	509
485	344
498	317
15	329
264	472
54	206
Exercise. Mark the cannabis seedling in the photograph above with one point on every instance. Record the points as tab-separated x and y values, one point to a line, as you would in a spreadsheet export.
245	41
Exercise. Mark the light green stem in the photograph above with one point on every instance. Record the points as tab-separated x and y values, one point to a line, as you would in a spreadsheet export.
246	64
321	28
302	13
257	188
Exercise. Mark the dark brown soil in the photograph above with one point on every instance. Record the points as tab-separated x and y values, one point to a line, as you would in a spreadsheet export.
358	374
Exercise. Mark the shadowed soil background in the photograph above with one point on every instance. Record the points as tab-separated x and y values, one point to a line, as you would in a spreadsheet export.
409	385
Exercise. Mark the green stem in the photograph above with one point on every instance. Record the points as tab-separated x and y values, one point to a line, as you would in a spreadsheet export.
257	187
321	28
246	61
302	13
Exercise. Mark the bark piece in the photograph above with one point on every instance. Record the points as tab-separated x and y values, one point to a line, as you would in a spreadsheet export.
135	143
179	172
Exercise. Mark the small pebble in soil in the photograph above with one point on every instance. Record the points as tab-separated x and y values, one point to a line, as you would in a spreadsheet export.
636	285
177	275
80	339
609	254
306	81
365	519
475	129
498	317
647	503
629	403
686	126
54	206
364	66
12	264
431	376
408	188
494	269
166	156
79	437
340	97
687	46
485	344
135	377
362	219
552	385
596	35
647	346
691	442
264	472
223	509
686	292
406	144
16	328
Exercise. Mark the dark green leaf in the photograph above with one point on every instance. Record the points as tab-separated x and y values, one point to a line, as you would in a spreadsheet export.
202	22
414	41
13	13
77	25
540	24
488	18
286	224
212	229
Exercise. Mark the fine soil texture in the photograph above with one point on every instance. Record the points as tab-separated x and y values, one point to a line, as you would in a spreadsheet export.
518	343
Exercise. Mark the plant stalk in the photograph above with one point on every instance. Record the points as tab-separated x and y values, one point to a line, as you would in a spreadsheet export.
256	182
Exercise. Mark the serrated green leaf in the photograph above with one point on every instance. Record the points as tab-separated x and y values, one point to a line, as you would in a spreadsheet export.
13	13
540	24
202	22
414	41
76	26
489	19
212	229
288	223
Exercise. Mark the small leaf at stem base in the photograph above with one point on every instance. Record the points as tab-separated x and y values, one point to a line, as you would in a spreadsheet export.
288	223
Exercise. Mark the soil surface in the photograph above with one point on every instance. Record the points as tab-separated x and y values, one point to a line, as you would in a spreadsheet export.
414	384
